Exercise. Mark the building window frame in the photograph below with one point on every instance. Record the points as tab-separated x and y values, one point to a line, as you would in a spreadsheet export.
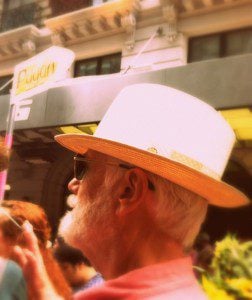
99	60
60	7
222	43
8	22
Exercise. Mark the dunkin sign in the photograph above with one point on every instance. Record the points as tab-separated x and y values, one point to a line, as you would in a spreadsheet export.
37	73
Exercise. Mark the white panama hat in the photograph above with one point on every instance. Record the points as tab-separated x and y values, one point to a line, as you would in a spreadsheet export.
169	133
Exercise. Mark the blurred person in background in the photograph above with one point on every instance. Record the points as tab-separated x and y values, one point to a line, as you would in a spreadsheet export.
76	268
12	283
202	254
204	251
12	235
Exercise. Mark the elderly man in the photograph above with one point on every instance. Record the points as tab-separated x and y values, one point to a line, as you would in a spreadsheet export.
143	183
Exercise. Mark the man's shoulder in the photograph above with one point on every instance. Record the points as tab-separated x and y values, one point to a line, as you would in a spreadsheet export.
152	282
101	294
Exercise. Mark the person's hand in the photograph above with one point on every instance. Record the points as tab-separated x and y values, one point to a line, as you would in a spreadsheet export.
31	262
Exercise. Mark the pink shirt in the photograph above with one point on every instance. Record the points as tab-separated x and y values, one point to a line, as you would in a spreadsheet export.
171	280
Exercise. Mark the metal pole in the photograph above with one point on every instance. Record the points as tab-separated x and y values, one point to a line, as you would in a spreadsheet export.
8	141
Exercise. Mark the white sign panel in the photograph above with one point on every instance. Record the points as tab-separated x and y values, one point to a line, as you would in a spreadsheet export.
37	73
23	110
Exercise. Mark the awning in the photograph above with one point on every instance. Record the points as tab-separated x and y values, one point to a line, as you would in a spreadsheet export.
224	83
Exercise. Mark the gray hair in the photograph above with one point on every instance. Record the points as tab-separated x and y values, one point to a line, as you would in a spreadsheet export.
179	212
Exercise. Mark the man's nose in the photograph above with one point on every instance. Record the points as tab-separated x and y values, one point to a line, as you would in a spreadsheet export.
73	186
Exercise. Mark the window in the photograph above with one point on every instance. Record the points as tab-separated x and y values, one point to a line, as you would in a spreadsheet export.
98	2
17	13
239	42
64	6
99	65
3	80
220	45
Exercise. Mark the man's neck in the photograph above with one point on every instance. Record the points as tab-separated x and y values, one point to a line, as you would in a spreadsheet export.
137	254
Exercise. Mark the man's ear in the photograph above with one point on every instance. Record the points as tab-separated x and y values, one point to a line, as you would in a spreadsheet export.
133	190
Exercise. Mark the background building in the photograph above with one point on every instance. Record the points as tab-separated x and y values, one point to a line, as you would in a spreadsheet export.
136	37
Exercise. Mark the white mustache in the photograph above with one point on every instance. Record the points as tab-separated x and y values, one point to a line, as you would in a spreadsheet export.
71	200
65	222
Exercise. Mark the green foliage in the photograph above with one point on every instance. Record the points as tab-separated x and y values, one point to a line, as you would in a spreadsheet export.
231	269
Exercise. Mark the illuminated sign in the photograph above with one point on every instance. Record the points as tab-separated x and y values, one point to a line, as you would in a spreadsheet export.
37	73
34	75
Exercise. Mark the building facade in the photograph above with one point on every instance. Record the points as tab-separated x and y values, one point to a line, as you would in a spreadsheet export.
127	36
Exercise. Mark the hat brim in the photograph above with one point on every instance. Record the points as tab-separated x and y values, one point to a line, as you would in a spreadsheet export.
216	192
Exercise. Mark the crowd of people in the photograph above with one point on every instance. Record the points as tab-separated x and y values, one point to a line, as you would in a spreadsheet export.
143	183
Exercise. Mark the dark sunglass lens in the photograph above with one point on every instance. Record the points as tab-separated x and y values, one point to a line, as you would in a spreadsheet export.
80	168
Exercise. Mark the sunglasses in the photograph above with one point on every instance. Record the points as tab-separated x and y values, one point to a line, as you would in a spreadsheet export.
81	165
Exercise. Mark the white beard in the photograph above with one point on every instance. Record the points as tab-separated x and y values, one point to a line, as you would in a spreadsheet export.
90	226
